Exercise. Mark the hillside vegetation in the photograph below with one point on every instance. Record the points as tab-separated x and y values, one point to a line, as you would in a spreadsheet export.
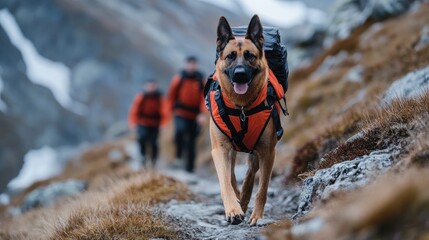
353	163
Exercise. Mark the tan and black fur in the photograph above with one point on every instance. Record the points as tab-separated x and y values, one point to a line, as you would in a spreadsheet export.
249	55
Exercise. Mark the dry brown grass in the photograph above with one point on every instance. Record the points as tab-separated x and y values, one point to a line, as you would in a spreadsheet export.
127	213
279	230
395	124
351	150
393	207
399	112
318	102
158	189
394	42
122	211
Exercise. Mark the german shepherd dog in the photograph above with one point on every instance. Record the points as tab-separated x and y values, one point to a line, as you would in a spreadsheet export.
242	71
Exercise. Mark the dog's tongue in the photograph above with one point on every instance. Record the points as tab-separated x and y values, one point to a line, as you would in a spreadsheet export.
240	88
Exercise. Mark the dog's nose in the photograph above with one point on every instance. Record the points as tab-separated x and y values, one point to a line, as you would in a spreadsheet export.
239	74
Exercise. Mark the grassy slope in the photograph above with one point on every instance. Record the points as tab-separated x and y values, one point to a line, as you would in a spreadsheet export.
395	206
118	204
323	107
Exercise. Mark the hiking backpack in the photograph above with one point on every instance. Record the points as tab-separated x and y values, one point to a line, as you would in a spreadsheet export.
157	96
180	103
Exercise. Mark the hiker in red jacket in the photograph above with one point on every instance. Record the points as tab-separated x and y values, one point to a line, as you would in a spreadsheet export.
146	115
187	100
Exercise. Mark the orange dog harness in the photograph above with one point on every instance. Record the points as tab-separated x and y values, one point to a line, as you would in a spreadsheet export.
244	127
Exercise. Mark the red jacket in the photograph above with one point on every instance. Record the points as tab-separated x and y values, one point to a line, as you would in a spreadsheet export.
186	96
147	110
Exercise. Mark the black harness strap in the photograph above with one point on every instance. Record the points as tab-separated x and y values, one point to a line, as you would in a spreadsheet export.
271	98
236	137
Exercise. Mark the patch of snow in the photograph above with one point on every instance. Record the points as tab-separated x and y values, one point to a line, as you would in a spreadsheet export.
3	106
4	199
225	4
40	70
284	14
38	165
411	85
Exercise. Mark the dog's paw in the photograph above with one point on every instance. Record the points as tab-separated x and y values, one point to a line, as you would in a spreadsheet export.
235	216
253	219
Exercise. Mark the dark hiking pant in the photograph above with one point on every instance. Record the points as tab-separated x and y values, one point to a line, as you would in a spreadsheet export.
185	139
148	137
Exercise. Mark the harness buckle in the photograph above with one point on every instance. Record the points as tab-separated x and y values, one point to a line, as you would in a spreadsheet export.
243	116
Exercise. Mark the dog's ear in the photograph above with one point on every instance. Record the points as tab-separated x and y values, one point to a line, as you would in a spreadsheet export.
224	34
255	32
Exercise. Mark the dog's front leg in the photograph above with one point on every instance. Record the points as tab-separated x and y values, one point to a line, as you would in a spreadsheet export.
249	181
233	179
266	167
222	159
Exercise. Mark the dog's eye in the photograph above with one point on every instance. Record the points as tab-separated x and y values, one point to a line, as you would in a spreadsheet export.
231	56
249	56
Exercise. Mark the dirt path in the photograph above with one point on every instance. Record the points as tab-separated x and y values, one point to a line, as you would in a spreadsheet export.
205	219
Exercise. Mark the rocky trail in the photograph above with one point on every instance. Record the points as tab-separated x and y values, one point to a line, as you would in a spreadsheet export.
206	218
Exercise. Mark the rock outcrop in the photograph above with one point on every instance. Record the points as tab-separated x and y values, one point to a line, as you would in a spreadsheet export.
45	196
412	85
350	14
345	176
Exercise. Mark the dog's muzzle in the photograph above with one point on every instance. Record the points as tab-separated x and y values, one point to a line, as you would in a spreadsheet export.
241	74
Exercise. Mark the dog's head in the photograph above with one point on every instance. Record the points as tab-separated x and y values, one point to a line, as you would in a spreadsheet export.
241	68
